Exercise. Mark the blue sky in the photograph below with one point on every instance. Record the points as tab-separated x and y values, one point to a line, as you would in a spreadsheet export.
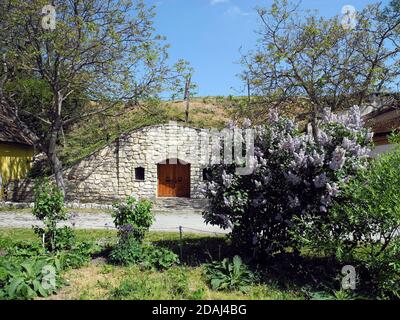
209	34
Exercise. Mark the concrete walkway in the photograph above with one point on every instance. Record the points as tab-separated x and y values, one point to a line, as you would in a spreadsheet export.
168	222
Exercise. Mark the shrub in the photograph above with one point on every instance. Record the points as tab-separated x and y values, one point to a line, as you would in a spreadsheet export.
148	256
363	225
49	208
127	252
295	178
25	250
133	218
78	256
159	258
58	239
227	275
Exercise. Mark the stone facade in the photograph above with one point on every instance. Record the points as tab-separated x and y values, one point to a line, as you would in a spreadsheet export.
109	173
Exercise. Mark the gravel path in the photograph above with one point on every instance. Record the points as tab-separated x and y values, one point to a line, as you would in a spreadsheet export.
168	222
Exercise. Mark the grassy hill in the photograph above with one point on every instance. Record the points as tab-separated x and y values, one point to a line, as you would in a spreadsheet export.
91	134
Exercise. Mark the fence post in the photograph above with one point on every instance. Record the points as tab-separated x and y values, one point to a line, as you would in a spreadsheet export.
180	242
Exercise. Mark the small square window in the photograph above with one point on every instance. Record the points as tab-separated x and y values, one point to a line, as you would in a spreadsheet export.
139	173
207	174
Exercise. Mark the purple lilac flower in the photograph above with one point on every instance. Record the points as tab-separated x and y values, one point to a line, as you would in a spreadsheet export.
338	159
273	116
320	181
246	123
292	178
293	201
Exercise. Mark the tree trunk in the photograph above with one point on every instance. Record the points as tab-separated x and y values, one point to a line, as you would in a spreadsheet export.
55	162
314	123
187	98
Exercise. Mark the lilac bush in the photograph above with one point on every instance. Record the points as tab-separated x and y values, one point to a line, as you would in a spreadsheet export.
296	177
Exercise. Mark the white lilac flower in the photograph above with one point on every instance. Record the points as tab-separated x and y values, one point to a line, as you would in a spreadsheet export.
300	158
332	189
338	159
266	179
290	125
226	202
227	179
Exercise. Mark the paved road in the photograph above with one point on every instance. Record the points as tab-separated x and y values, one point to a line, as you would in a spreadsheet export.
169	222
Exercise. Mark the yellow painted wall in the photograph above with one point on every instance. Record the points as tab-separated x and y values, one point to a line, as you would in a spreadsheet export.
15	162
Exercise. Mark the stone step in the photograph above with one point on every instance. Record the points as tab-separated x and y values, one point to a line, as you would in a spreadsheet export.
180	204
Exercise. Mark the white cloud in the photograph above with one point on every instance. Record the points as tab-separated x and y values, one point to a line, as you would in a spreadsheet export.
236	11
214	2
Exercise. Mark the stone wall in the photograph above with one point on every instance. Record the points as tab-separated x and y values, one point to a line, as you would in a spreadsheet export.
109	174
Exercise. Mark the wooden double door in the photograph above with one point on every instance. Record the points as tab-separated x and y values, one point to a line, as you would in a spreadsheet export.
174	180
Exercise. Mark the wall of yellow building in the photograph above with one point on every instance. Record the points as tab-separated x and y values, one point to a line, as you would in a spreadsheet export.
15	162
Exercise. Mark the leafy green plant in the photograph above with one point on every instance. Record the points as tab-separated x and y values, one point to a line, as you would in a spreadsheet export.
133	217
49	208
25	250
361	227
158	258
77	256
58	239
27	280
127	252
227	275
148	256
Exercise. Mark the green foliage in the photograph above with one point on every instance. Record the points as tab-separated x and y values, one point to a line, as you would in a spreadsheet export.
49	203
227	275
130	252
29	279
361	227
49	208
158	258
61	239
179	282
78	256
133	218
25	250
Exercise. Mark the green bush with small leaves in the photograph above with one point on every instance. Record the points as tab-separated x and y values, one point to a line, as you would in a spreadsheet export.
133	217
49	208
